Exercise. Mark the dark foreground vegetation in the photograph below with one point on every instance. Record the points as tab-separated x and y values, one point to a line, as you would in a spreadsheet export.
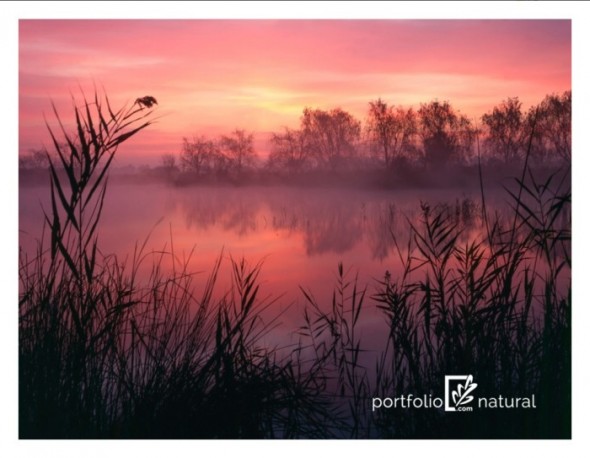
103	354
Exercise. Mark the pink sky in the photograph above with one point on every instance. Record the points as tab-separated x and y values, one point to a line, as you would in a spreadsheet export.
212	76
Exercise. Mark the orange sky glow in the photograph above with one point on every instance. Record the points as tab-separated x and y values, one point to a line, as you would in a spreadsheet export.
212	76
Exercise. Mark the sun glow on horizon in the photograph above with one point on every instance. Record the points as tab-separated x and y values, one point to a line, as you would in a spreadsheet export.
213	76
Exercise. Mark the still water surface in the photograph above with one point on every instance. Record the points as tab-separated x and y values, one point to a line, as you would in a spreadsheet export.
300	235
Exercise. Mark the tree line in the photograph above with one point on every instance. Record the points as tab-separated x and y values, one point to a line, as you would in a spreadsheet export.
435	135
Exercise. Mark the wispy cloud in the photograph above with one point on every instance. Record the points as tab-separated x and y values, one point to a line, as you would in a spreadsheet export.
211	76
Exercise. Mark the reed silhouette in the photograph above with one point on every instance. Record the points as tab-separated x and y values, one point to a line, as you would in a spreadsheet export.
105	354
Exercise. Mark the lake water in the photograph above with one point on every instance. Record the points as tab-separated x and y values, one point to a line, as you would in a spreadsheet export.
300	235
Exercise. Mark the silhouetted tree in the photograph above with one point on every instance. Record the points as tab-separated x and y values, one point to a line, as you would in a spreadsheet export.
238	148
168	161
553	130
506	130
331	136
168	166
289	151
198	155
447	136
391	131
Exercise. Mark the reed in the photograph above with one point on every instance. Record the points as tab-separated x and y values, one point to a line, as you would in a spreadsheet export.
103	354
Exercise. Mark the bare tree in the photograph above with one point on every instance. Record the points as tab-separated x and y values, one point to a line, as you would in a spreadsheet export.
506	130
238	148
168	161
289	151
168	166
554	126
447	136
331	135
391	131
198	155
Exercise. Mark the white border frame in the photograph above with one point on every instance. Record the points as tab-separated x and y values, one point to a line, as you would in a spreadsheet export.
13	11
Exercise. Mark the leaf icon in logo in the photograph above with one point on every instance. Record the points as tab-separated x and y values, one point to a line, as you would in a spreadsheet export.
460	395
456	394
466	400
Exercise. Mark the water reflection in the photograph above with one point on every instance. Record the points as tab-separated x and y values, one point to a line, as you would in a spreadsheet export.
311	228
221	208
380	229
301	235
333	221
326	225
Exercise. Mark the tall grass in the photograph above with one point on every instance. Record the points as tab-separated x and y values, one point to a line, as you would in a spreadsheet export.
497	307
104	354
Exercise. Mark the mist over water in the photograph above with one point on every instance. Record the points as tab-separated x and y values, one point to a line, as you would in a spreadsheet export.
300	235
269	251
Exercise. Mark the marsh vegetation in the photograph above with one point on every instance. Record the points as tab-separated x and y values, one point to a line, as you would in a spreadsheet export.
137	344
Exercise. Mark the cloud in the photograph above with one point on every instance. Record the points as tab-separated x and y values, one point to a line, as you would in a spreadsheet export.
216	75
